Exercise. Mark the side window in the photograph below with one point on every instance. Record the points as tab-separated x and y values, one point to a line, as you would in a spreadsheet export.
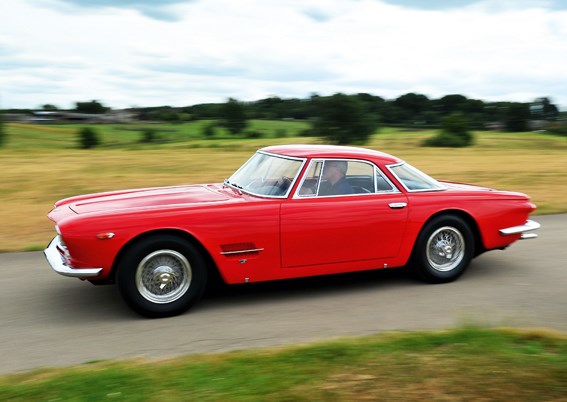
331	177
360	177
310	182
382	185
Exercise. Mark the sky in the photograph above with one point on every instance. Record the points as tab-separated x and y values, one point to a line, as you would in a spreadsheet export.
132	53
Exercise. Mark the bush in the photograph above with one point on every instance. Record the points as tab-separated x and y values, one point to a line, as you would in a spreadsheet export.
558	130
2	132
88	138
454	133
252	134
307	132
209	130
148	135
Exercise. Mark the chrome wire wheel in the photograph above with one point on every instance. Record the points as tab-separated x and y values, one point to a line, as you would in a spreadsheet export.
163	276
445	249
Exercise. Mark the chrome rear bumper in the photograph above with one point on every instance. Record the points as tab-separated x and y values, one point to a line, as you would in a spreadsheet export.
59	265
527	227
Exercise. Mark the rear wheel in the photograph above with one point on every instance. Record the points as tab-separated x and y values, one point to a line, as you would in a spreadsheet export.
444	249
162	276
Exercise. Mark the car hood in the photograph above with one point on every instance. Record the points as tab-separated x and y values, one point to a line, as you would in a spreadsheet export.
147	198
461	188
465	187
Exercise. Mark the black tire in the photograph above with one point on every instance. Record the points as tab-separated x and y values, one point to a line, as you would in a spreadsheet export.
444	249
161	276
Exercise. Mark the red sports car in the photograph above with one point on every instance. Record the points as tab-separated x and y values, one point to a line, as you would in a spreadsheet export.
290	211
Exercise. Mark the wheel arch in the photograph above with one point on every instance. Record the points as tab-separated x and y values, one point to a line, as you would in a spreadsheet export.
212	268
469	220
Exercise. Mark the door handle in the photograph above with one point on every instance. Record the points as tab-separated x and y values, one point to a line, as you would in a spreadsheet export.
397	205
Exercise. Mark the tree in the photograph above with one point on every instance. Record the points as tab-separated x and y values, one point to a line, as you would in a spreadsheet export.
268	108
88	138
341	119
543	109
517	117
234	116
413	104
454	133
450	104
92	107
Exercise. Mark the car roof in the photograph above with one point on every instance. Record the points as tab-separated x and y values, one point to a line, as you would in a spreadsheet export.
330	151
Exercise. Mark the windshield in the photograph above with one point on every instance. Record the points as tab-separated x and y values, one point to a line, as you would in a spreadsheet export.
266	175
414	179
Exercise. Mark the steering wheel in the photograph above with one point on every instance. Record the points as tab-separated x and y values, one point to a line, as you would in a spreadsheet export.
283	183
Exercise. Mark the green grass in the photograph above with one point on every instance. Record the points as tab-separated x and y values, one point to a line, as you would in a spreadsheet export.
128	136
40	164
469	363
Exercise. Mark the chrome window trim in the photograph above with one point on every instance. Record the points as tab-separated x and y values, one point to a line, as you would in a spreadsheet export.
389	167
293	158
375	169
394	190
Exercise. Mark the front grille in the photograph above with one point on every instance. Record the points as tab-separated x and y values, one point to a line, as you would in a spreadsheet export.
64	252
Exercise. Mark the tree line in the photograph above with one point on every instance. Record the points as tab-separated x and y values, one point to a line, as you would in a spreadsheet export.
411	109
351	119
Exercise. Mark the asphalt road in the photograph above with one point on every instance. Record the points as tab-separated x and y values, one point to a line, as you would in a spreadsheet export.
49	320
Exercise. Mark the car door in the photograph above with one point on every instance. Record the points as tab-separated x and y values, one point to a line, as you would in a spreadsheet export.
366	224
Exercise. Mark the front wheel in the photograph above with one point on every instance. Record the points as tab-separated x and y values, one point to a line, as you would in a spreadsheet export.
161	276
444	249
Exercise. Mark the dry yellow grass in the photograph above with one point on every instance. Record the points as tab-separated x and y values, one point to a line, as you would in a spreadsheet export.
32	180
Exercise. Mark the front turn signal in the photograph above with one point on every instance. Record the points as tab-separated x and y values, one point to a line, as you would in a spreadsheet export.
105	236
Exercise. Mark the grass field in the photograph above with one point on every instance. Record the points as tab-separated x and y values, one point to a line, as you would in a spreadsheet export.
458	365
40	164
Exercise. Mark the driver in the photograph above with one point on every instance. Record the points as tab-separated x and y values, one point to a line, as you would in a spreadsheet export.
334	173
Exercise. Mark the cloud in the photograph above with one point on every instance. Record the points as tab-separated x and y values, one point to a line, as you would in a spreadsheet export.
158	9
432	4
317	15
493	5
215	49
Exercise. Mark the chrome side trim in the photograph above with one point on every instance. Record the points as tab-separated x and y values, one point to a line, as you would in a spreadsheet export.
253	250
56	261
528	226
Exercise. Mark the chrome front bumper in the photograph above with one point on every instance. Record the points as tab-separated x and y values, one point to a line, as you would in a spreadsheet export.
57	262
527	227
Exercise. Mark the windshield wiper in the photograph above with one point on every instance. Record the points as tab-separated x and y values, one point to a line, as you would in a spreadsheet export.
236	186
